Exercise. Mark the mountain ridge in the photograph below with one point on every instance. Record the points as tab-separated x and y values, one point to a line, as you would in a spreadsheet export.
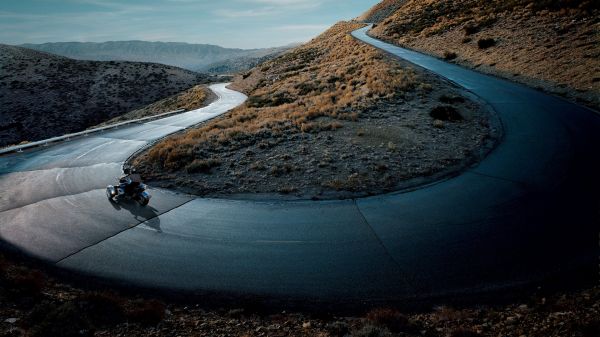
195	57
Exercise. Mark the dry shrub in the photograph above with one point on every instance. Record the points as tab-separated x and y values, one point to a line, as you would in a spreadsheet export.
444	314
351	183
391	319
59	320
486	43
465	333
103	308
372	331
202	165
451	99
146	312
23	282
449	55
446	113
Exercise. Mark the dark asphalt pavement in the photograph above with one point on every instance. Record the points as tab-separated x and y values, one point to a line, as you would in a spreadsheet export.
528	211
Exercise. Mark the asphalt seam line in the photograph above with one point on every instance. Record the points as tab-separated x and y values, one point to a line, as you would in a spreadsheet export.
403	275
119	232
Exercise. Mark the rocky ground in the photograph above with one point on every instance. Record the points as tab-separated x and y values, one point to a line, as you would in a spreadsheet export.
34	303
552	45
327	120
44	95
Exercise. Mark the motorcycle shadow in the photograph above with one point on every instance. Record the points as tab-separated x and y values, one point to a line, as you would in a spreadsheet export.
147	214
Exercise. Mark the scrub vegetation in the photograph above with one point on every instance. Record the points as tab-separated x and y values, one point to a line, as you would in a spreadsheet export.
33	303
551	44
332	118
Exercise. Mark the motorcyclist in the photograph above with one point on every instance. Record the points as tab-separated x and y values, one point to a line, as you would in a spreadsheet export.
129	181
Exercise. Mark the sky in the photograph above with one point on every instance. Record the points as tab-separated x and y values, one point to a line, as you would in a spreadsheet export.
228	23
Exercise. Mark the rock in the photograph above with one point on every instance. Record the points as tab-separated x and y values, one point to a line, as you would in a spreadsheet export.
11	320
306	325
438	124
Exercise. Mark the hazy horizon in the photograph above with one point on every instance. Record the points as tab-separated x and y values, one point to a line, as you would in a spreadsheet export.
245	24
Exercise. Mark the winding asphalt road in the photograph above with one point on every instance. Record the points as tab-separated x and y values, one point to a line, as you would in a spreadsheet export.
528	211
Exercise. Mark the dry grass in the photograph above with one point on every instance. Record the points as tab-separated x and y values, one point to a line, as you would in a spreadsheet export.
551	44
310	89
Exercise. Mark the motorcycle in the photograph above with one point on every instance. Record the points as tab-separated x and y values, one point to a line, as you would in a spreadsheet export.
130	187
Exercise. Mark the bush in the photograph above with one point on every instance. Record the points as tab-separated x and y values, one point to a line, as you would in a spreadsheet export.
451	99
486	43
448	55
446	113
371	331
147	312
470	29
103	309
59	320
390	319
24	282
465	333
202	165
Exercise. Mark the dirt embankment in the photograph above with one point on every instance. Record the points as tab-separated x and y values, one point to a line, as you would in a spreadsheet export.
44	95
553	45
333	118
33	303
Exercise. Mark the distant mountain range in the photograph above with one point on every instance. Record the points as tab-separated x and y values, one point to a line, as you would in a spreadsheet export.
196	57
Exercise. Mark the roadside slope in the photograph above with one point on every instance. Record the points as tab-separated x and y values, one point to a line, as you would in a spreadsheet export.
44	95
553	45
332	118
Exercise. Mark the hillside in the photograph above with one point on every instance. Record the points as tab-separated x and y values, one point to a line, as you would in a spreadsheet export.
195	57
333	118
552	44
381	11
44	95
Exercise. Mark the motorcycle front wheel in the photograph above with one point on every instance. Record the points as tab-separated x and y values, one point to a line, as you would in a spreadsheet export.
110	193
143	200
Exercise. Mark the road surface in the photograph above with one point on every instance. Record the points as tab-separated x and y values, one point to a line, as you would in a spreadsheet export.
528	211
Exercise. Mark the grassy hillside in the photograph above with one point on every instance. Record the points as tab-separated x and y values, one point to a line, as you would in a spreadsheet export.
332	118
550	44
44	95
